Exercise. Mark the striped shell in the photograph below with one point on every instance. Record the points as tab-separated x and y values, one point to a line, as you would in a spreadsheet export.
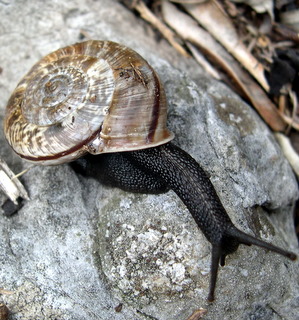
94	96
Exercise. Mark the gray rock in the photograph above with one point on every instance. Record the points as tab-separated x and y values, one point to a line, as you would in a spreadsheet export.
78	249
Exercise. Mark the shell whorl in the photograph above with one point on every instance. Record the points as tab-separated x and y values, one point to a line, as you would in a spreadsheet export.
94	96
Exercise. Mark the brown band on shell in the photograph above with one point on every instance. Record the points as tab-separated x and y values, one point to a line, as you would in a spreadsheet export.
155	109
79	149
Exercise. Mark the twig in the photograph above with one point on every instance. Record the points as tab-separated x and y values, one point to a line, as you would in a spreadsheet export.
147	15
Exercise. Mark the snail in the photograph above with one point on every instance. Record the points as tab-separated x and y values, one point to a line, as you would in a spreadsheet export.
101	106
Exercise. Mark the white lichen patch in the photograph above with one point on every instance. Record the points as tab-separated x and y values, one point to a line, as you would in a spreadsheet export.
125	203
235	118
150	261
17	302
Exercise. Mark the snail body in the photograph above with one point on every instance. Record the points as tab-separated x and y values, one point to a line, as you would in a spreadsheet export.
120	138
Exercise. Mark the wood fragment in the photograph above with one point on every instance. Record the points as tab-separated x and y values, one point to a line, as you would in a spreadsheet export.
4	291
10	184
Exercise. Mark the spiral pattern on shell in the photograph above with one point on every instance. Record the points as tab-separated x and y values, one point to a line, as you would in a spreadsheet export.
94	96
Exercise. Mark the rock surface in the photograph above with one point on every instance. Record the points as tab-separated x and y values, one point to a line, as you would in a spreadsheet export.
77	249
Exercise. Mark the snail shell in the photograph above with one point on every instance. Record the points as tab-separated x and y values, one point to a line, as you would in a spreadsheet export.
94	96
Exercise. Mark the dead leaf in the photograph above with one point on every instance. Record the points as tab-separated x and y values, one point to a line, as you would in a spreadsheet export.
200	58
286	32
213	18
4	312
289	151
291	19
198	314
188	1
259	6
147	15
189	30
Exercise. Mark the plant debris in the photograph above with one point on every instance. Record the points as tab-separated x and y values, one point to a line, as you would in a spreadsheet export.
12	188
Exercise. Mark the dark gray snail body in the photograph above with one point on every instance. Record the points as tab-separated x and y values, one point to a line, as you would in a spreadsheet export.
101	105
